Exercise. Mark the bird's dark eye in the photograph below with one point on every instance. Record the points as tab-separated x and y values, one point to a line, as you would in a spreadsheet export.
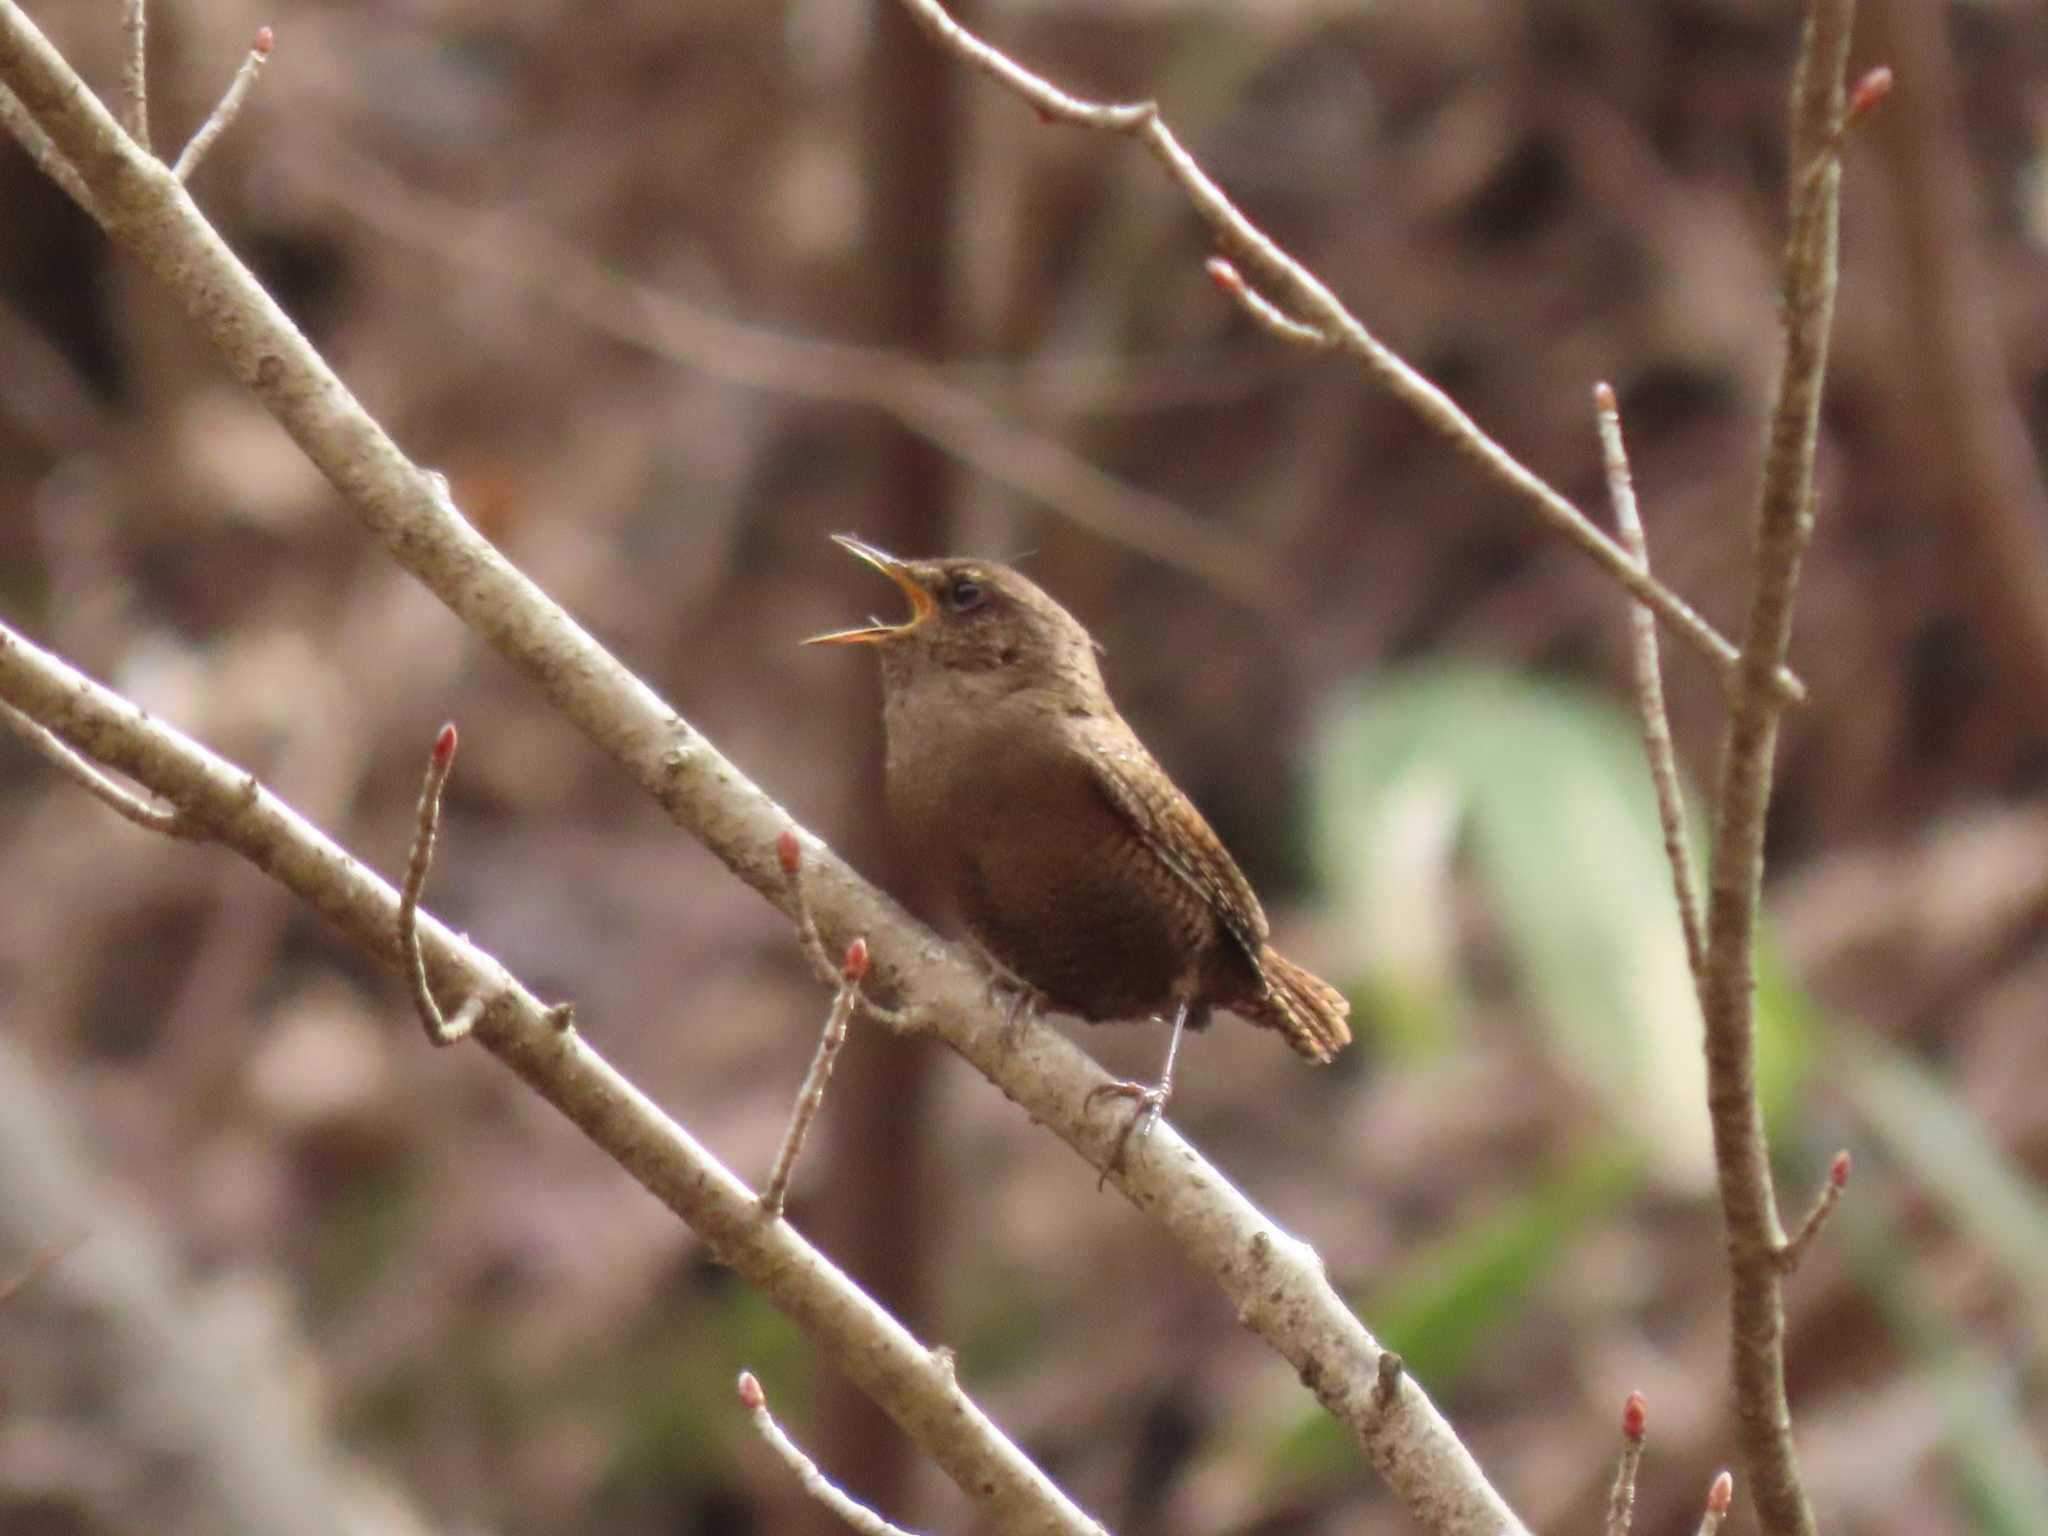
963	593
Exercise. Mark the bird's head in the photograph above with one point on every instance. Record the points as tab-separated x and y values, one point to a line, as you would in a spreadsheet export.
975	619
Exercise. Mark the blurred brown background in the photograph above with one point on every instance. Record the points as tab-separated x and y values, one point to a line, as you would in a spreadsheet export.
671	292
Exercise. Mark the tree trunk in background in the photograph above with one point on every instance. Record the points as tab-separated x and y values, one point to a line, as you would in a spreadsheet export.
1951	388
875	1214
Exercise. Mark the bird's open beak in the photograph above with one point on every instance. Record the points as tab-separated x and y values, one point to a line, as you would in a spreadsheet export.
920	600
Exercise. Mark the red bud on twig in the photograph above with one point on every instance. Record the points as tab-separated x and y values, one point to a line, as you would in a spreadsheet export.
1721	1495
1868	92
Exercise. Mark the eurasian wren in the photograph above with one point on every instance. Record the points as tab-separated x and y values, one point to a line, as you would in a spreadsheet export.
1073	861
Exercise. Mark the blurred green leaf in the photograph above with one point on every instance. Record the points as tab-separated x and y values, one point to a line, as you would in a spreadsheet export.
1003	1330
1982	1419
1546	788
1441	1308
1435	1314
373	1216
1948	1153
671	1411
1788	1032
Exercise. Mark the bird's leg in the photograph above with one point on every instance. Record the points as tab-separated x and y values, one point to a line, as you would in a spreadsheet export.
1148	1101
1020	1001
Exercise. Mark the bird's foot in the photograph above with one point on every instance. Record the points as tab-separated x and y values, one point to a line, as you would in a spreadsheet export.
1147	1100
1021	1007
1020	1002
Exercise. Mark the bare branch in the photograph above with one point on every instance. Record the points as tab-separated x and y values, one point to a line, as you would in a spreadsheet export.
124	802
440	1031
1656	723
815	1482
844	1001
1275	1282
920	398
1784	526
789	854
1316	316
14	117
917	1390
1794	1249
1264	313
1621	1500
135	68
223	116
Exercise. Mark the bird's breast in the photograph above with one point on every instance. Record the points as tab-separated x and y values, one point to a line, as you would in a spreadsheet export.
1006	816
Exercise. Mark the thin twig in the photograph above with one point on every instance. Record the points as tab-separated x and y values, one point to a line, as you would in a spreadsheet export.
1008	1491
815	1483
15	118
1719	1496
789	854
1621	1499
1297	295
135	69
1870	90
230	107
440	1030
1649	673
1264	313
1794	1248
100	785
1276	1282
921	398
1783	528
844	1001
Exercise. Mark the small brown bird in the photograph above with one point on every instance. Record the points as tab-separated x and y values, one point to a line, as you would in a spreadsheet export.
1073	861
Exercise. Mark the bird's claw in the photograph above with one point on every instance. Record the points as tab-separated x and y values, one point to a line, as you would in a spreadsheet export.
1019	1012
1020	1002
1147	1102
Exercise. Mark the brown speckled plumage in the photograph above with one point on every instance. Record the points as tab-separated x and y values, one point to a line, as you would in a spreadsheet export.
1072	858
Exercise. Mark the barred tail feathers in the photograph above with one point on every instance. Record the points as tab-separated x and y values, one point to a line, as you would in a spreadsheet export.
1302	1006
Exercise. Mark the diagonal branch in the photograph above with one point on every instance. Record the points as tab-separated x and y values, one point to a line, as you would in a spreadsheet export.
15	118
89	777
1298	306
412	963
845	1003
223	116
920	398
1275	1282
815	1483
1656	723
915	1384
135	67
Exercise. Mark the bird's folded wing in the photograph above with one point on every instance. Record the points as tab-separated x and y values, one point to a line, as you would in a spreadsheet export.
1168	824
